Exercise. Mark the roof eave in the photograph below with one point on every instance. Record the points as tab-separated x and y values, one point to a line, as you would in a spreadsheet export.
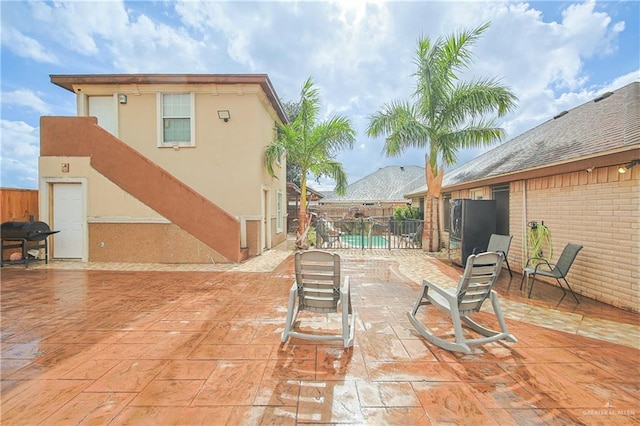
368	201
600	160
68	81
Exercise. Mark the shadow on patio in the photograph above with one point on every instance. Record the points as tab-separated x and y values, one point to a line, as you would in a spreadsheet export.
203	347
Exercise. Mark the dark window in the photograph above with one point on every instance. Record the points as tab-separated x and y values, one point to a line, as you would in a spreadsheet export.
501	195
446	211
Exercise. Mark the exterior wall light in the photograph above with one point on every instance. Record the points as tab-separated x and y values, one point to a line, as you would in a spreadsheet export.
122	99
623	169
223	114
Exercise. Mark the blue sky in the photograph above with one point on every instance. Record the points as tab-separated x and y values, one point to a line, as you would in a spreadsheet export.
554	55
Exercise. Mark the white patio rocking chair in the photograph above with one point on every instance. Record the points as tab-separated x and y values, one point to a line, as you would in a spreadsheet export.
318	289
475	286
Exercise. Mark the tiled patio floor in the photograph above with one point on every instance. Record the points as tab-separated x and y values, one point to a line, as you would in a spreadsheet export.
161	344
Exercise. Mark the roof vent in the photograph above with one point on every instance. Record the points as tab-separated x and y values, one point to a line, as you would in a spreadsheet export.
560	114
402	168
603	96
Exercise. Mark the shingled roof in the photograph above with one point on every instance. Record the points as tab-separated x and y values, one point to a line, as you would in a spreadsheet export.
387	184
608	123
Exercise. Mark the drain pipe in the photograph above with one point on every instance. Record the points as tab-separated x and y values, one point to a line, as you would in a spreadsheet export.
524	222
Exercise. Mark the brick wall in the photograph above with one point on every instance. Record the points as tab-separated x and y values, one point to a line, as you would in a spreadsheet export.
601	211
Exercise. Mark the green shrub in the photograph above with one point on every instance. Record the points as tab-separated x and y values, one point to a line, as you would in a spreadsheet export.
406	212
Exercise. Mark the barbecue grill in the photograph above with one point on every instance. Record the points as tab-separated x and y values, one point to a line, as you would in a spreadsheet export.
26	236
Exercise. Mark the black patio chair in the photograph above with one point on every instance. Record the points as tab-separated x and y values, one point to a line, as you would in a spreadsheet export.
557	271
499	244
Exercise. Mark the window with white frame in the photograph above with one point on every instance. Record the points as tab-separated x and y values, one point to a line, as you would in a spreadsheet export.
476	194
279	212
176	119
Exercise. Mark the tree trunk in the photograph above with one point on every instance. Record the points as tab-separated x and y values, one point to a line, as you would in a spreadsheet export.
434	175
301	240
302	208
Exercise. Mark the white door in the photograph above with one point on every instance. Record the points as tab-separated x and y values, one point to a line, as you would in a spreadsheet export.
68	218
103	107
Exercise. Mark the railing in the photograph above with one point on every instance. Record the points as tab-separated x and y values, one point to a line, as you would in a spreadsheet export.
369	233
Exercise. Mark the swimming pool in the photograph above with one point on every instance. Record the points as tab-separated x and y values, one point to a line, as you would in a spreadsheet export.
358	241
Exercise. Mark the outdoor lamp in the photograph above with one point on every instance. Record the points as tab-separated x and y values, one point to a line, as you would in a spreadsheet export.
223	114
623	169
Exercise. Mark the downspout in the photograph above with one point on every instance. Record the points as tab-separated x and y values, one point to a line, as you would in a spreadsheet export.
524	222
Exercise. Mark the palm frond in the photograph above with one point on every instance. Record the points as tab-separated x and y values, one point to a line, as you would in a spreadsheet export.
457	54
476	134
273	155
334	170
312	145
398	121
333	135
480	97
309	108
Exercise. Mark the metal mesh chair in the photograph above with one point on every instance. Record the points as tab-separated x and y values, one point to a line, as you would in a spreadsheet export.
499	244
558	270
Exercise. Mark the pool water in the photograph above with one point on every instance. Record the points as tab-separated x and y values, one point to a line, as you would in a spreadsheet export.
377	241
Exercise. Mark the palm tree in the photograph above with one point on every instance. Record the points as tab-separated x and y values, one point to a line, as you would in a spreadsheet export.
446	114
312	146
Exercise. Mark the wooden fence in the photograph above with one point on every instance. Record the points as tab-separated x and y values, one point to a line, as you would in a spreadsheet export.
18	205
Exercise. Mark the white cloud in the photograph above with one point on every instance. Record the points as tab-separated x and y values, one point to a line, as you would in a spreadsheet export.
623	80
26	47
213	18
114	35
359	53
590	30
19	154
533	55
148	46
26	98
77	24
543	62
359	32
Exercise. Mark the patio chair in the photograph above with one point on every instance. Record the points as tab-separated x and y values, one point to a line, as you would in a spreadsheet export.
327	233
500	244
318	289
558	271
474	287
414	239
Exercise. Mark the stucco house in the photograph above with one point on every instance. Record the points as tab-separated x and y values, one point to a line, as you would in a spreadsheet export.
163	168
579	172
